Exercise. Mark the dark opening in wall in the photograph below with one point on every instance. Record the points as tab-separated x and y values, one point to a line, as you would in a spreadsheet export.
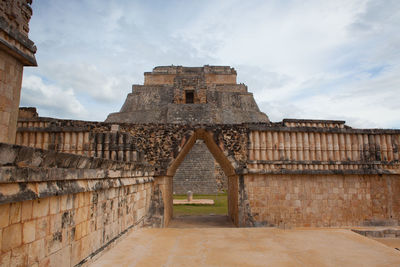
189	96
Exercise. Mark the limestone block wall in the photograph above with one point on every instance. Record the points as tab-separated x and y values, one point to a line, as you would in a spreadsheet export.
240	88
60	209
330	200
10	88
320	173
212	74
16	51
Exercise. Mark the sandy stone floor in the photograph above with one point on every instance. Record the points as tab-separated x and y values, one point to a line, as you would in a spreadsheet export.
201	221
248	247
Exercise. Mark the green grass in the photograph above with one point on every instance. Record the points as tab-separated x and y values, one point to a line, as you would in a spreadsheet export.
220	206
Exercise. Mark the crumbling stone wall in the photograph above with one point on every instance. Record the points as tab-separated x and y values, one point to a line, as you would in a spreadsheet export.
17	14
220	178
157	144
61	209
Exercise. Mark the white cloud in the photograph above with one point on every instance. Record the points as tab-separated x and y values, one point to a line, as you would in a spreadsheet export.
88	79
53	100
313	59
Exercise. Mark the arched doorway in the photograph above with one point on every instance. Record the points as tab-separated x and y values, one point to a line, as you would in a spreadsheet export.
166	182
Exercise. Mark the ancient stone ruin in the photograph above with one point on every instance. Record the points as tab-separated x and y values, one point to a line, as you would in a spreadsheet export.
17	51
69	189
191	95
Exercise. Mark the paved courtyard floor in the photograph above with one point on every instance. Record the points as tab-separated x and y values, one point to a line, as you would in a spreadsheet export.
201	221
248	247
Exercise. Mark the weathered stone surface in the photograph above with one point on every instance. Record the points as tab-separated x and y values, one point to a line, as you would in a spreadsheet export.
214	98
29	229
16	51
319	200
12	237
27	113
98	206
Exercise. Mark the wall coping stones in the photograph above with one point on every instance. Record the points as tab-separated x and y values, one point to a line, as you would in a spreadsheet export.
16	192
60	125
362	171
295	162
314	121
29	173
22	156
278	127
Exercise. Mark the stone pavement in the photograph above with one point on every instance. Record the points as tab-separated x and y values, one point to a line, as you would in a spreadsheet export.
248	247
201	221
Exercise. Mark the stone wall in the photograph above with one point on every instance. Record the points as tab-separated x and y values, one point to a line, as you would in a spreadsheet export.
16	51
10	89
320	173
323	200
165	75
17	14
323	150
61	210
157	144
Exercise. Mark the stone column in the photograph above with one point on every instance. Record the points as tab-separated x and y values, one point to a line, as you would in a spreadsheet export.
16	51
165	185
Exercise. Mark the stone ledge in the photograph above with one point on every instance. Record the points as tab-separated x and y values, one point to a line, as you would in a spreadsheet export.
22	156
278	127
314	121
395	163
15	34
364	171
12	174
21	191
379	233
60	125
17	44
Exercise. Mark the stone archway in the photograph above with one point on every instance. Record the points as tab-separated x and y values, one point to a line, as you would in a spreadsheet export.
165	182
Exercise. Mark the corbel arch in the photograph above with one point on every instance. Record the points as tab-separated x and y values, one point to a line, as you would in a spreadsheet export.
226	164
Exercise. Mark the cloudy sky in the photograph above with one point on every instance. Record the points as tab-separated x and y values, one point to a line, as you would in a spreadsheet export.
301	59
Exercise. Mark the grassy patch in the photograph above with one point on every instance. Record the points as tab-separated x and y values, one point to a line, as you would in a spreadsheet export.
220	206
